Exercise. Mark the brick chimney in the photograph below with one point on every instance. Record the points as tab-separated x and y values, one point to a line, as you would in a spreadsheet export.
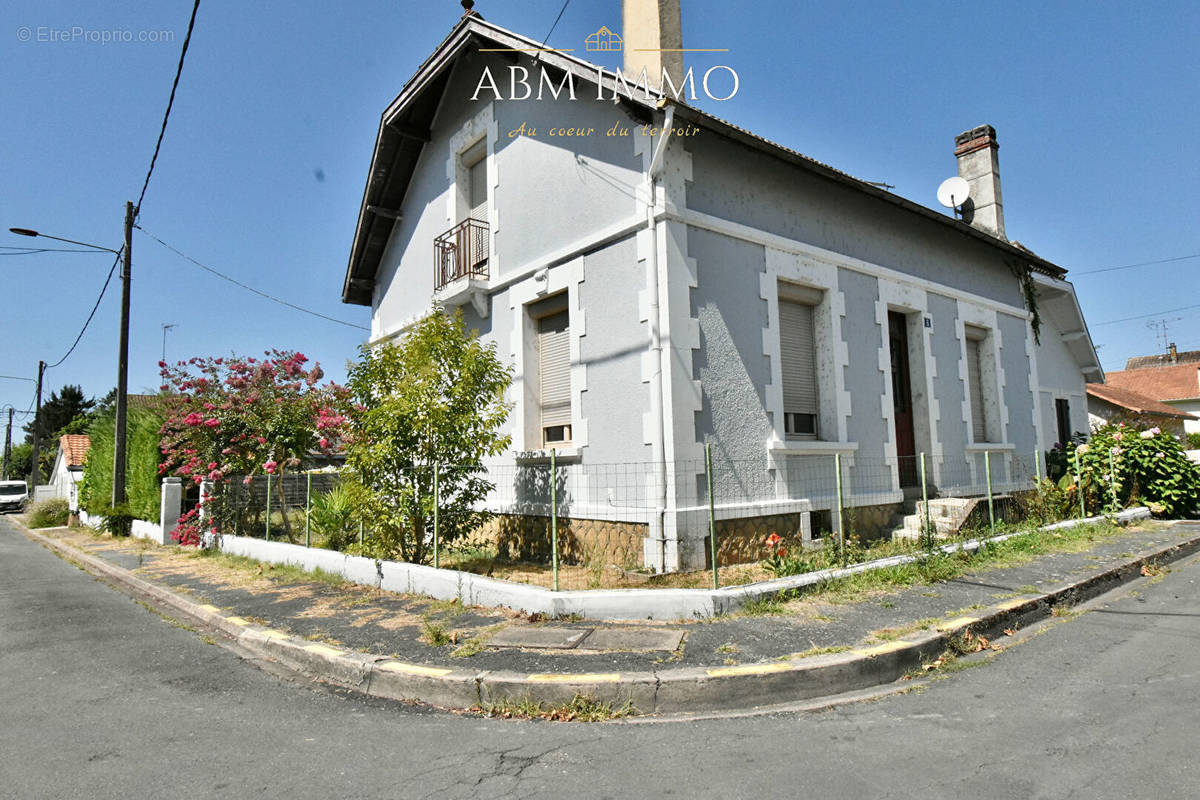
1172	354
650	27
979	165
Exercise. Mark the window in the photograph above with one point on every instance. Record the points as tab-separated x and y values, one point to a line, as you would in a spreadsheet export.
553	369
1062	411
975	340
475	161
798	360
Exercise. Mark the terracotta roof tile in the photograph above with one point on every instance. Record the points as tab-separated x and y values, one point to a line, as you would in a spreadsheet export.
1137	403
1180	382
1163	360
75	447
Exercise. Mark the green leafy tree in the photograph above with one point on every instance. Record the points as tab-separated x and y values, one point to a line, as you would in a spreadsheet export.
437	398
141	464
19	459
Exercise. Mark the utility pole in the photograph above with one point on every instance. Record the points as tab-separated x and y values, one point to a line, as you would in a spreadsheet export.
8	443
36	473
118	480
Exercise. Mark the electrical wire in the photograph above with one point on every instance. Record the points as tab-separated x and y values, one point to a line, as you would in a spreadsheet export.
88	321
25	251
137	208
248	288
1131	266
1144	316
555	25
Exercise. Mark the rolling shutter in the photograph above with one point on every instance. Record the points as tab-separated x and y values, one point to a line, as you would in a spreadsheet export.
797	358
554	369
975	388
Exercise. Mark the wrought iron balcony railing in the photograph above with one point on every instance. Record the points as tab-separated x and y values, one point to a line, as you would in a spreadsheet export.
461	252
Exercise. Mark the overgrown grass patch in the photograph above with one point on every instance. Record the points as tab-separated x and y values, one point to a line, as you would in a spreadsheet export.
581	708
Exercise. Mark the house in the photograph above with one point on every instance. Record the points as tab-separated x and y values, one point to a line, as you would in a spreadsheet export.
1172	378
1107	403
666	280
68	468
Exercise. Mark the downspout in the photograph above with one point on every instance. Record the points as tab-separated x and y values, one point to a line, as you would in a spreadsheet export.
658	443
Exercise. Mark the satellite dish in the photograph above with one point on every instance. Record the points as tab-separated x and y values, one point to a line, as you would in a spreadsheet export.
953	192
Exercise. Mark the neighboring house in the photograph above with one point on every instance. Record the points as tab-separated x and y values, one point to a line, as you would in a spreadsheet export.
657	293
1108	403
1177	385
68	468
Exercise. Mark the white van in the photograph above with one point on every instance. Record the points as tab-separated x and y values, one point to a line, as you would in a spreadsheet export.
13	495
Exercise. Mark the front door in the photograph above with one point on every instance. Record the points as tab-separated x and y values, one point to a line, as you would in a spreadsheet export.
906	448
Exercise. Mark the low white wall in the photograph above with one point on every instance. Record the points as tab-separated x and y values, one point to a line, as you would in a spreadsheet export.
471	589
140	528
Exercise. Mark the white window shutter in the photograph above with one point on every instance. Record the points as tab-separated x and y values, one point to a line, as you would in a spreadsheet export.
554	369
797	358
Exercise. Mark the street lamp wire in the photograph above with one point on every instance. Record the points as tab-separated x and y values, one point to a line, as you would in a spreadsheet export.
258	292
137	208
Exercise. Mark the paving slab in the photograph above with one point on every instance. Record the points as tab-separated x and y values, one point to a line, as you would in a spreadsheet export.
640	639
543	637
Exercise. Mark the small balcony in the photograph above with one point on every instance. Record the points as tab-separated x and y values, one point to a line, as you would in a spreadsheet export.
461	254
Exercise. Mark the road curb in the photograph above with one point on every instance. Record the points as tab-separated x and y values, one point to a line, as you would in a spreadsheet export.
686	689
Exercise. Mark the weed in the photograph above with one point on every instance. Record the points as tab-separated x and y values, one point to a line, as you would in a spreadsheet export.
434	633
581	708
729	647
765	606
887	604
816	651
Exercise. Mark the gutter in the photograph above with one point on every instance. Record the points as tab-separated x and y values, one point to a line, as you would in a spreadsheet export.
658	443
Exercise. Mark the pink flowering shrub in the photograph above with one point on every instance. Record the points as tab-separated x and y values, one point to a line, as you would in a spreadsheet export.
235	416
1125	464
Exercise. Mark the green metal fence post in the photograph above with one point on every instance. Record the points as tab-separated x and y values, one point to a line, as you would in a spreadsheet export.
926	533
307	509
554	514
1037	466
712	514
987	468
436	562
1079	486
837	465
1112	482
268	506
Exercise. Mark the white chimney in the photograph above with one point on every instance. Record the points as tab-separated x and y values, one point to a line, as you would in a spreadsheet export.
979	165
653	40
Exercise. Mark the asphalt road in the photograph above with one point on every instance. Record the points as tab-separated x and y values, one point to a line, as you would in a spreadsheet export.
101	698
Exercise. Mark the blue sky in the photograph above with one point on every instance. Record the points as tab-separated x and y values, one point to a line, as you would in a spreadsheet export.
262	169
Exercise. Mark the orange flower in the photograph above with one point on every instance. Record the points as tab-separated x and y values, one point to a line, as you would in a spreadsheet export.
783	552
774	539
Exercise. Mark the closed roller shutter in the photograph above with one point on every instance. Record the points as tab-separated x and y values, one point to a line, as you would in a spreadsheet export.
554	370
975	387
798	358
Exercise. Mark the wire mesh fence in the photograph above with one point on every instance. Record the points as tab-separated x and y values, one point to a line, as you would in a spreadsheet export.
569	524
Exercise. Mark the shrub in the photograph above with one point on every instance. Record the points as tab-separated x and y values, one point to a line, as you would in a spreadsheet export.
141	466
1192	441
51	513
1144	466
333	516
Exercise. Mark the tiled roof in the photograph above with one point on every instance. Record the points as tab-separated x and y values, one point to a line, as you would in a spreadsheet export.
74	447
1180	382
1137	403
1163	360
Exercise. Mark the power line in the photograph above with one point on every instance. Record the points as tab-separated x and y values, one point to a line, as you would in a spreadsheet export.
88	321
25	251
258	292
1139	264
555	25
1144	316
137	208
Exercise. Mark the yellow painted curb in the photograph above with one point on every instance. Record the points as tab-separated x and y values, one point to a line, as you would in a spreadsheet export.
1011	604
412	669
749	669
958	622
238	621
213	609
323	650
578	677
273	634
880	649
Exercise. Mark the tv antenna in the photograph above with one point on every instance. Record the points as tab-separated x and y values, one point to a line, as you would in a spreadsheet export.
953	193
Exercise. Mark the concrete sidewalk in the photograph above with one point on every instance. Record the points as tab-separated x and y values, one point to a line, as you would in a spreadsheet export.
408	647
